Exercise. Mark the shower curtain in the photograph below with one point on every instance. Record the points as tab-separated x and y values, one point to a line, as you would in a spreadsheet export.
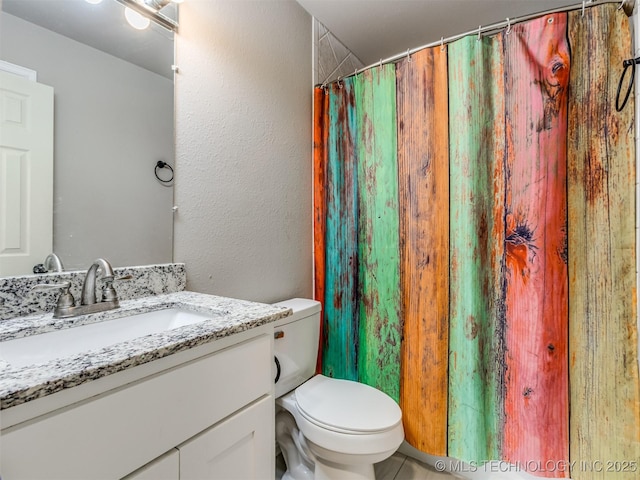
475	249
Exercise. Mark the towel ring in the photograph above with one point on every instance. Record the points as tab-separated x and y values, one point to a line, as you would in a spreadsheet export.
162	164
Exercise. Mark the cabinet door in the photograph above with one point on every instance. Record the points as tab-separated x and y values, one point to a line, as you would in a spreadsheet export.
166	467
240	447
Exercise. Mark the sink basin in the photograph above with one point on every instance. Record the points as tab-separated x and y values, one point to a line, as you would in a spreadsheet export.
70	341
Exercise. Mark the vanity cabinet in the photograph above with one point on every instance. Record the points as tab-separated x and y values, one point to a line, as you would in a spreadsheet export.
213	417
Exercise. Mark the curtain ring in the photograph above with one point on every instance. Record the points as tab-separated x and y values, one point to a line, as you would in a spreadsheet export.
338	81
622	4
380	63
479	31
442	44
508	31
584	4
408	54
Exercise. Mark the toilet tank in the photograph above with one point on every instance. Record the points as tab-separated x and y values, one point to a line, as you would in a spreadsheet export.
296	344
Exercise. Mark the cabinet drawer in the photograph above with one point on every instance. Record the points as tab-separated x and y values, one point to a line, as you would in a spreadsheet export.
119	431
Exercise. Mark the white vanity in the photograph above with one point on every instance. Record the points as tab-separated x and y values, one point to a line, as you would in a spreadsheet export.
190	402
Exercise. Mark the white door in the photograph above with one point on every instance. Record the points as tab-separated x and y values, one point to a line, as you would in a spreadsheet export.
26	174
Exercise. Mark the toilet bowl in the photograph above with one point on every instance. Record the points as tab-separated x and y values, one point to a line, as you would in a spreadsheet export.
327	429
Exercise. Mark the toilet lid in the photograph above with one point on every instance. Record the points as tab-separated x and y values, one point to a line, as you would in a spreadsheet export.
344	405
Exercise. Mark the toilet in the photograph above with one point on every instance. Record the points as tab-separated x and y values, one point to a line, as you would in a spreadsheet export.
327	429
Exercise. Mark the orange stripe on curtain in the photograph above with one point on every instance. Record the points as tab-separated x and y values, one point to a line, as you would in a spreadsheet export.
320	107
423	172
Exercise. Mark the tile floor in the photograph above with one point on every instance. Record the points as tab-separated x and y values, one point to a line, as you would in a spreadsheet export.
396	467
401	467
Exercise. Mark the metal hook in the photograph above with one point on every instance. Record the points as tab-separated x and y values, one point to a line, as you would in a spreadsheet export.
479	31
338	81
442	44
380	63
408	54
355	73
508	31
584	4
622	4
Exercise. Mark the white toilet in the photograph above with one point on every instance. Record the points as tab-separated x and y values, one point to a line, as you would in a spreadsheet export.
327	429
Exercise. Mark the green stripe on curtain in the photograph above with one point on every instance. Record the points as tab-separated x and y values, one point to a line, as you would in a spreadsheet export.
378	251
476	361
341	270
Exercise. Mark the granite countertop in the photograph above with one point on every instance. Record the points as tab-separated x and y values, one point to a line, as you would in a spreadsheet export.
22	384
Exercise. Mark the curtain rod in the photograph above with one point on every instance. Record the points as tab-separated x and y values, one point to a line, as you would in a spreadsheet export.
628	6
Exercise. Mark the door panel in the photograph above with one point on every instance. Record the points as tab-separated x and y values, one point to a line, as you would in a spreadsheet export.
240	447
26	174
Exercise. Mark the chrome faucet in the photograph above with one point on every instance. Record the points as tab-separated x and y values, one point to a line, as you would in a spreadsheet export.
66	306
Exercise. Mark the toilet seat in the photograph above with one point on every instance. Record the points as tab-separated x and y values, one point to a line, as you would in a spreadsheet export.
347	407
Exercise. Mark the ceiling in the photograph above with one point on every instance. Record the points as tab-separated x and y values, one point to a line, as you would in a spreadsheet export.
102	27
378	29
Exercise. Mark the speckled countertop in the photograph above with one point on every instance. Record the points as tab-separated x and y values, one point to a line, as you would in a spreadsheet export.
22	384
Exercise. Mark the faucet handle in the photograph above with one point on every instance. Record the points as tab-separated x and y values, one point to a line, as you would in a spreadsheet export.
108	292
51	286
65	300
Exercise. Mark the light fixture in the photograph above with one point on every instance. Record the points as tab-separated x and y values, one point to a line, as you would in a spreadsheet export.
135	19
151	10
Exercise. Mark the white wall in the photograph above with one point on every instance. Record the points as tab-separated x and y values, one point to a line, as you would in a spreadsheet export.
113	122
243	148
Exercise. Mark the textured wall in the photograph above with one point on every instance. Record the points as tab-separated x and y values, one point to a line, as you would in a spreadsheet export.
243	147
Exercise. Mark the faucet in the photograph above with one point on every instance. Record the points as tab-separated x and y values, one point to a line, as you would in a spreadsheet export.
66	306
53	262
89	288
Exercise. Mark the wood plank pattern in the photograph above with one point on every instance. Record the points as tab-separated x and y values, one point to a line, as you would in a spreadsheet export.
536	402
320	133
605	404
424	245
378	249
341	271
477	139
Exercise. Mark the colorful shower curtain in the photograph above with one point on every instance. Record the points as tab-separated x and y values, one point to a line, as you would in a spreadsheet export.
475	248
